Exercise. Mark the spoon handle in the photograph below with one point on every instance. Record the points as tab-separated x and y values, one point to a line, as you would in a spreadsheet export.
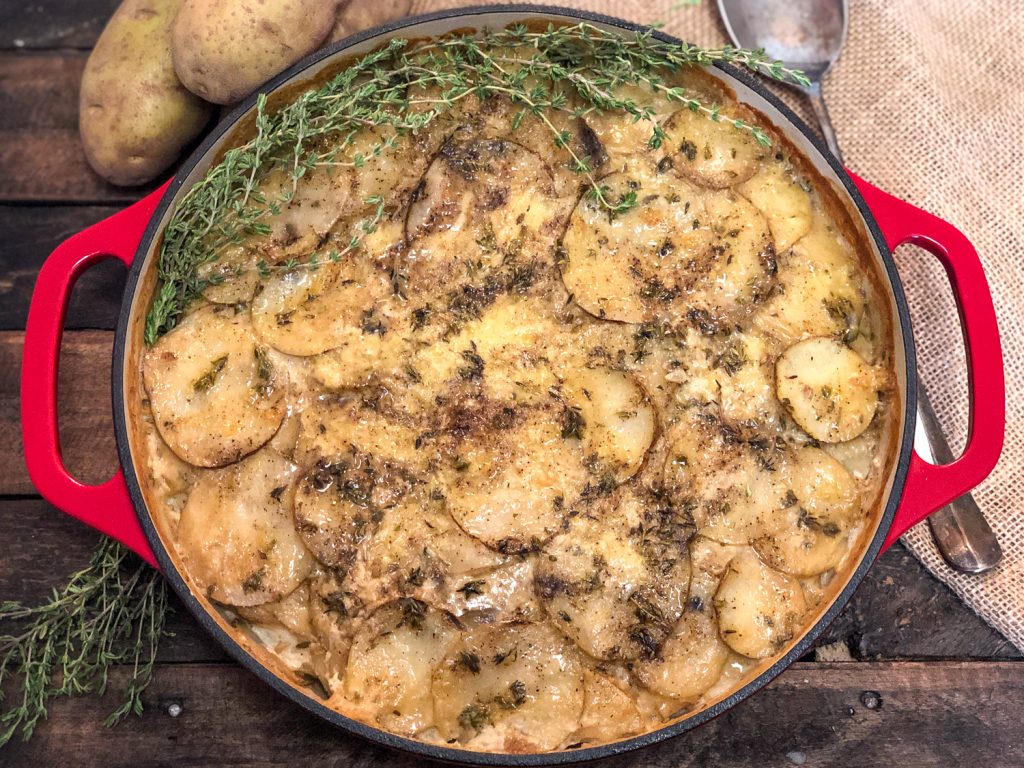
960	530
821	112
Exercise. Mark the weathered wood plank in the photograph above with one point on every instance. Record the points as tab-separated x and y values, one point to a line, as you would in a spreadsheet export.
53	23
44	546
86	427
29	235
937	714
900	612
41	157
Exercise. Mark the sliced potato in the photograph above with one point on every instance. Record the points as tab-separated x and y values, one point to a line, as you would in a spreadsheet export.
713	154
306	311
393	657
636	265
232	277
617	422
237	535
679	253
339	503
729	486
511	688
214	393
333	426
512	488
810	532
615	581
746	387
759	609
479	204
782	201
819	291
609	712
828	389
690	661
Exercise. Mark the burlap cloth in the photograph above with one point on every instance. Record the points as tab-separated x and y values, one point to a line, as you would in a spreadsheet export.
928	103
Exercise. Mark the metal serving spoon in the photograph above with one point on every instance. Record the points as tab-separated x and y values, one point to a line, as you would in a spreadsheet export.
808	35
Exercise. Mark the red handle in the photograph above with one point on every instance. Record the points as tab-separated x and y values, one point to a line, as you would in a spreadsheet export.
930	487
106	507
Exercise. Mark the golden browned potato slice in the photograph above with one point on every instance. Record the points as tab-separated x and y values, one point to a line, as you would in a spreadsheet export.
634	265
616	580
759	609
615	418
782	201
512	488
340	502
511	688
237	535
232	277
609	712
215	394
480	203
619	134
677	253
713	154
333	426
690	661
731	487
820	292
306	311
828	389
393	656
810	532
745	386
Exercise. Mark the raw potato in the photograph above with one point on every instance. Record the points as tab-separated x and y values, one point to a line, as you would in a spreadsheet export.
393	656
511	688
357	15
759	609
215	394
134	115
237	535
224	49
712	154
828	389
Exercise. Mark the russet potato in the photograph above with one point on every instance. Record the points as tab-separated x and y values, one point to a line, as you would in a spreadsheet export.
134	114
224	50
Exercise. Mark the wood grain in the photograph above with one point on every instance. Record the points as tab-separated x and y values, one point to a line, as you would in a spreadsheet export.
931	715
45	545
53	23
29	234
41	158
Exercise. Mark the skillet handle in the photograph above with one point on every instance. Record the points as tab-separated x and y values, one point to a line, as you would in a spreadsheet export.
930	487
106	507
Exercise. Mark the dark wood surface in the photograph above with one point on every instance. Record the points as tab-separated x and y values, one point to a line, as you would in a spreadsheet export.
952	689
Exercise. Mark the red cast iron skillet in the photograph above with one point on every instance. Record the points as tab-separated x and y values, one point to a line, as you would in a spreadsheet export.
117	507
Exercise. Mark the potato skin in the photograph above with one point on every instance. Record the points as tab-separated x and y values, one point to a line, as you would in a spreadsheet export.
224	49
134	114
357	15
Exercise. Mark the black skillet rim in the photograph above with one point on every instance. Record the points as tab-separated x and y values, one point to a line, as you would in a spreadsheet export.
449	754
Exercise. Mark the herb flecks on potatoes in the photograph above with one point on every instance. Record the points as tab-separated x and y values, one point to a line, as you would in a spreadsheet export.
134	114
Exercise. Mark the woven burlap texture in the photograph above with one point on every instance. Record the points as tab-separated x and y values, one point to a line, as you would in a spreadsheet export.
928	103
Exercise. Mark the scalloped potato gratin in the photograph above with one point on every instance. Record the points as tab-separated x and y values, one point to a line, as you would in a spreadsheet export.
524	471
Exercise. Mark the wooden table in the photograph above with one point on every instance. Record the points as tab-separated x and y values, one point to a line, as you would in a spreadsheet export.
951	690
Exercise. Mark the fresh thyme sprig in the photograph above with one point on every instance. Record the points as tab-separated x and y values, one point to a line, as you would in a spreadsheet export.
110	613
403	87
